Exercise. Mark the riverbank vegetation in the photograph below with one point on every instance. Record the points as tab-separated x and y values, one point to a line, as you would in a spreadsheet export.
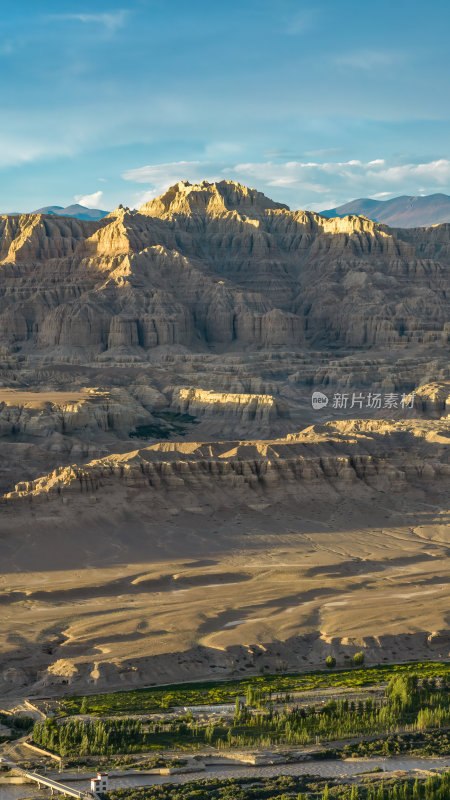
17	725
435	787
409	704
143	701
420	743
153	699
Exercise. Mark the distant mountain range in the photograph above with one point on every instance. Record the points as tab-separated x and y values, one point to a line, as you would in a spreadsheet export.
399	212
75	210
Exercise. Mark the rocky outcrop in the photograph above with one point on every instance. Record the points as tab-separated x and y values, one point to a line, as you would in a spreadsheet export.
210	198
374	453
39	414
218	264
246	407
37	237
433	399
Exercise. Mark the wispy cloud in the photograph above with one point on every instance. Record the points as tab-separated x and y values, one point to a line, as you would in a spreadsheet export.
306	184
7	47
325	151
110	21
299	22
280	154
161	173
368	60
16	150
89	200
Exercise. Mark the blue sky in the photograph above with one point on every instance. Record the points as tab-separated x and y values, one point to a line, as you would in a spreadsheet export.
314	104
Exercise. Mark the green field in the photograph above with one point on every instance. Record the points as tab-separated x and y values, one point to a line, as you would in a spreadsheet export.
143	701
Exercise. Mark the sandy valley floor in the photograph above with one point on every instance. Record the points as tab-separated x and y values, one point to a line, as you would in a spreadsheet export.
214	574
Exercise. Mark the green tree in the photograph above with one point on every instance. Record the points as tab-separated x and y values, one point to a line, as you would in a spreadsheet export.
380	793
358	659
330	662
84	746
84	706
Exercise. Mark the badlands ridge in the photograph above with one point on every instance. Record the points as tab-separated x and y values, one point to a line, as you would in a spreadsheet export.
172	506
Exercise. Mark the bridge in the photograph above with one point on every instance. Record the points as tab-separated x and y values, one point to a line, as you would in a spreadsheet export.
42	780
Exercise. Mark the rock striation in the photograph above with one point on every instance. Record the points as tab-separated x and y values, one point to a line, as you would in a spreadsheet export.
258	407
433	399
218	265
42	413
374	452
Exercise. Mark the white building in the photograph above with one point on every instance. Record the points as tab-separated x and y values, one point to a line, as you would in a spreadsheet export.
100	783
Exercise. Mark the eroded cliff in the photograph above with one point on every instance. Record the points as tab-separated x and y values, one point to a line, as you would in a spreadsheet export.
219	265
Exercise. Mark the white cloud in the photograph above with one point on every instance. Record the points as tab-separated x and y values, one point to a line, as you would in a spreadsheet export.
111	21
436	172
89	200
375	173
303	184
